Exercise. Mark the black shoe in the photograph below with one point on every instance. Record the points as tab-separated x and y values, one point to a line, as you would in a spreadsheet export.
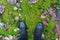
38	31
23	32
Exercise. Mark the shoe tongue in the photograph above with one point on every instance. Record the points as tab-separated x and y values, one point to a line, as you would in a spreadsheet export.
22	24
40	25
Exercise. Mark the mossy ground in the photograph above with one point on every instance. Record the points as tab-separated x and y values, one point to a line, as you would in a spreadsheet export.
32	17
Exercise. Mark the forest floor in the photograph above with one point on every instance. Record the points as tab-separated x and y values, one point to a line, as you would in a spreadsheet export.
31	15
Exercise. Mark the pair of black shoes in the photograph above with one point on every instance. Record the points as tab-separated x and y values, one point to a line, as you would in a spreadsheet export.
37	33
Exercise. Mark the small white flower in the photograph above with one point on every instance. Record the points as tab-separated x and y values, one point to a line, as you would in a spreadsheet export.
17	18
15	8
21	0
56	38
6	38
16	29
43	35
25	15
10	37
19	9
10	12
19	14
31	6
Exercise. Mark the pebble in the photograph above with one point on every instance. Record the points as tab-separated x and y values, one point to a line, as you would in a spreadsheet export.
51	11
12	1
0	36
58	24
42	16
58	13
2	25
53	17
33	1
17	5
2	7
45	23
